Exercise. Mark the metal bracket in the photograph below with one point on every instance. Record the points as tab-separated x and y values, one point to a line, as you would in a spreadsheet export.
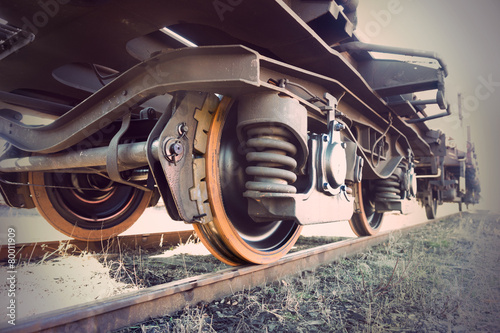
332	161
152	152
177	158
112	160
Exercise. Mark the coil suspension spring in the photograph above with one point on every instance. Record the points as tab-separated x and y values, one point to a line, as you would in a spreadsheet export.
390	189
271	161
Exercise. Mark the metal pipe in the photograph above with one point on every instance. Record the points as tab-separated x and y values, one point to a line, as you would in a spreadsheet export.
424	102
439	115
130	156
430	176
421	120
360	46
48	107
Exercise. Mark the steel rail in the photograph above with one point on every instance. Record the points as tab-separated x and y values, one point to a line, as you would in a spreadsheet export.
34	251
127	309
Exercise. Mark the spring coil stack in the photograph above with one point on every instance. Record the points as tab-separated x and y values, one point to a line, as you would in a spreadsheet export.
390	189
270	159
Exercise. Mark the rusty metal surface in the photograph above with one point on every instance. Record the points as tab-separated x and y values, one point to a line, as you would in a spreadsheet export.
198	193
178	166
209	68
126	309
227	70
34	251
130	155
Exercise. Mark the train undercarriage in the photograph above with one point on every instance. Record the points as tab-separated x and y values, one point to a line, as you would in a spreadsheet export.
250	121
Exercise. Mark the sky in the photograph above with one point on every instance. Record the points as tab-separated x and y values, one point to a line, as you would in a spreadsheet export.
464	33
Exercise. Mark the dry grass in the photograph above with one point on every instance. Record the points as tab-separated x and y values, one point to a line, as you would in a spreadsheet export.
146	269
442	278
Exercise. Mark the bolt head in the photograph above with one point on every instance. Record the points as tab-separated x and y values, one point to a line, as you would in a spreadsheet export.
339	127
182	128
176	148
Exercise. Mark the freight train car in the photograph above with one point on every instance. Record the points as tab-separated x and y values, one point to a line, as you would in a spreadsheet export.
250	119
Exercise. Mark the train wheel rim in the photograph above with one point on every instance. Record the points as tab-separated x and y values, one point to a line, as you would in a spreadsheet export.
431	209
86	214
365	221
233	237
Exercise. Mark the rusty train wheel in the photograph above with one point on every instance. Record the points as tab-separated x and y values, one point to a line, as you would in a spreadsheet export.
365	221
87	214
232	236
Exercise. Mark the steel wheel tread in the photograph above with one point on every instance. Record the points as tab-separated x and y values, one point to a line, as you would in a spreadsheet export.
431	209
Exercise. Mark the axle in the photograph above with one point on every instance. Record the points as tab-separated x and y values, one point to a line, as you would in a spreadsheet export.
130	156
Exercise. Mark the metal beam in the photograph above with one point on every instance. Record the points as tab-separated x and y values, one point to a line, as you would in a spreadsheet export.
360	46
211	69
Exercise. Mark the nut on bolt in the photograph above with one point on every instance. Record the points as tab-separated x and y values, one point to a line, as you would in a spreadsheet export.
339	127
176	148
182	128
173	150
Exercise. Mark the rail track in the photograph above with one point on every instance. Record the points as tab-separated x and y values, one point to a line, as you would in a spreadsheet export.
126	309
34	251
